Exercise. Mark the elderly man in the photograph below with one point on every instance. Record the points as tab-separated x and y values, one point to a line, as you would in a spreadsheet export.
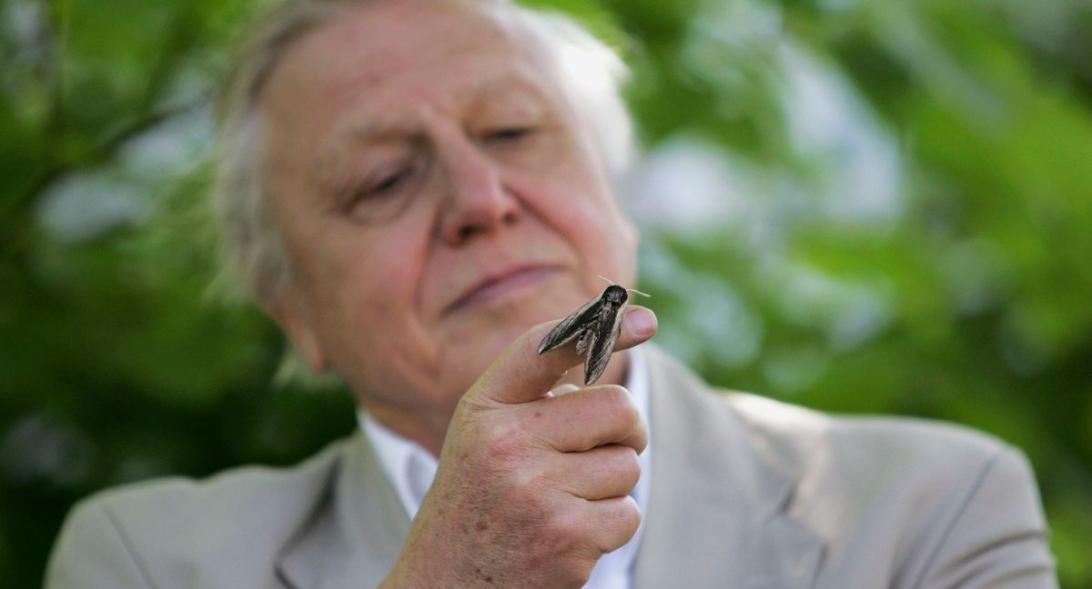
415	190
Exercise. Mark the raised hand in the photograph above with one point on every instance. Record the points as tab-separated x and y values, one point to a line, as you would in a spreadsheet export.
532	489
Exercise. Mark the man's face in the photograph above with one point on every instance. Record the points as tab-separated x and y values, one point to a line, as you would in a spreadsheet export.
434	196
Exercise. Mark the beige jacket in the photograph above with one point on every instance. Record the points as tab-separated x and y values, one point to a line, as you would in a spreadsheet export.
747	493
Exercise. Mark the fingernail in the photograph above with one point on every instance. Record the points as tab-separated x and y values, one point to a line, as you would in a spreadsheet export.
564	389
641	322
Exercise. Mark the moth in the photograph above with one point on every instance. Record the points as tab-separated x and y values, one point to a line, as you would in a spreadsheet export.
595	327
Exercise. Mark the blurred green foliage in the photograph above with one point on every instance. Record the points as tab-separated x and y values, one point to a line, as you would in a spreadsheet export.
856	205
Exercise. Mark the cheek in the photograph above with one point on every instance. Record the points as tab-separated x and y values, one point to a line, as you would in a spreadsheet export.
361	280
383	273
377	324
584	213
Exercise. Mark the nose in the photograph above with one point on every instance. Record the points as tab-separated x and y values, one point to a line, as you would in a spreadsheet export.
477	202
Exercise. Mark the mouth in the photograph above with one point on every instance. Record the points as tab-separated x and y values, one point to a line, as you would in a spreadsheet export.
501	285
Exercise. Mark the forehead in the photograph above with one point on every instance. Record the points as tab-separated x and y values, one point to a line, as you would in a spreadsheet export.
386	60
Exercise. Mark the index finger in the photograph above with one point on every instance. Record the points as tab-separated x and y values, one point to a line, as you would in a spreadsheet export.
520	374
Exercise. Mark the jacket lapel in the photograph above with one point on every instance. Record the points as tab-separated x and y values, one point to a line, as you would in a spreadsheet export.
717	514
357	531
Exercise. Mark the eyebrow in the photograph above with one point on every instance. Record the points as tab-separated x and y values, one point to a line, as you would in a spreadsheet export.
378	131
329	155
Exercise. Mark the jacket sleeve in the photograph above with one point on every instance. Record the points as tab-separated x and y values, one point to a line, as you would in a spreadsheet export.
92	552
998	539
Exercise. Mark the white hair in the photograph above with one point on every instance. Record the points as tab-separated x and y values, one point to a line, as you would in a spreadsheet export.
589	75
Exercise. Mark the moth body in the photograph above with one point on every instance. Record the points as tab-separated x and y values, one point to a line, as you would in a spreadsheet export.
595	327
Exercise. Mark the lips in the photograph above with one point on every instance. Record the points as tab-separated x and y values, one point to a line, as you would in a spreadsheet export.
501	284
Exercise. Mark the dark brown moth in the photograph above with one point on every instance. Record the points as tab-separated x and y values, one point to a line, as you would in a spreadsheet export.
595	327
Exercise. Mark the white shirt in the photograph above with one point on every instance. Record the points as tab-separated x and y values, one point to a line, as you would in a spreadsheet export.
410	468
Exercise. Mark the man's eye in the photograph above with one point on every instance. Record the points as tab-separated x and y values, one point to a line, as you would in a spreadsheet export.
388	183
386	196
380	192
509	134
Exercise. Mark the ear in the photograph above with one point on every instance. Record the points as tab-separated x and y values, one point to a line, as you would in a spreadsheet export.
291	312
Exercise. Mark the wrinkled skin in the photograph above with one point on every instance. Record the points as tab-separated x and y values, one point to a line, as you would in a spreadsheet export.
414	149
531	490
436	200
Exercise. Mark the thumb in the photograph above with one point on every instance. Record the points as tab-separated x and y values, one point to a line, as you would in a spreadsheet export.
520	374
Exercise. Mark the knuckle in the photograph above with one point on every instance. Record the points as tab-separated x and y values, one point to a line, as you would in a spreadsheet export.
527	487
621	404
503	444
624	411
616	394
573	570
575	535
611	400
640	442
567	529
632	415
628	465
570	538
630	514
579	571
623	519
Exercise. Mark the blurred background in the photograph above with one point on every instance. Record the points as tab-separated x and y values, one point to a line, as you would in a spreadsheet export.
862	206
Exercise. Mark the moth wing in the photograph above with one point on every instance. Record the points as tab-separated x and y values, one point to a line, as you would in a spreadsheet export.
571	326
583	341
601	346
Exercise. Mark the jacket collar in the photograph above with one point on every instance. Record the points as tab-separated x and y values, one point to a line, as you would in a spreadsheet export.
718	513
357	531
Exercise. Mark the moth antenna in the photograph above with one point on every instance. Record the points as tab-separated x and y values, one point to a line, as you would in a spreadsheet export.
632	290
